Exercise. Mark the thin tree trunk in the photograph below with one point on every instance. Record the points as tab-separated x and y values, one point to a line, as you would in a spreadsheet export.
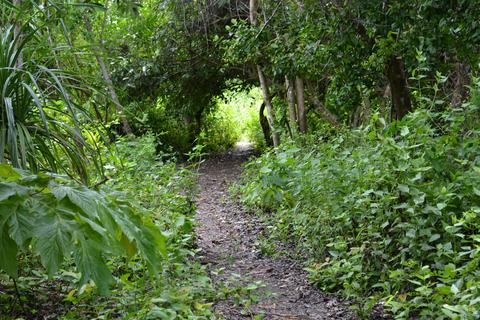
253	12
362	113
265	126
289	129
16	34
324	112
292	112
461	80
399	87
366	110
384	100
268	105
302	116
263	82
106	77
356	117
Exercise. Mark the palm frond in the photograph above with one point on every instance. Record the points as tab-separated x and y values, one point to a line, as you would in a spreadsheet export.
40	123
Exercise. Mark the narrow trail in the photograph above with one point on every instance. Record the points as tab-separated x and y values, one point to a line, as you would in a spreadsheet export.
227	236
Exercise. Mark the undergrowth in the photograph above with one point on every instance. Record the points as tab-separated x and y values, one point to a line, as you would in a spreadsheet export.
385	213
167	283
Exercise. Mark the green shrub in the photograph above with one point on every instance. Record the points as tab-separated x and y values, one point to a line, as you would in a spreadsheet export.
58	220
231	117
169	126
387	213
253	131
165	191
221	129
144	205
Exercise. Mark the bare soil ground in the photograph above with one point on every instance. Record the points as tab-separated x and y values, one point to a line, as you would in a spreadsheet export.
227	237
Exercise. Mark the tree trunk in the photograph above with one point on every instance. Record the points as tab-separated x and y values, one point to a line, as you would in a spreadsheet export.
367	110
263	82
384	101
16	34
50	38
292	112
253	12
106	77
269	107
401	103
355	120
265	126
461	80
302	116
324	112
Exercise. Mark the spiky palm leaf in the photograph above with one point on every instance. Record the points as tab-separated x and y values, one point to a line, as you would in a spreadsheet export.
39	121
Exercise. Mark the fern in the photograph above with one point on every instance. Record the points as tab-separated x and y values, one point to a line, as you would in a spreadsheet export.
59	220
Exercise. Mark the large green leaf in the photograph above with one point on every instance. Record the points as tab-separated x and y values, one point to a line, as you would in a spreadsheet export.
52	227
85	199
8	189
8	173
88	258
148	238
21	225
8	253
62	219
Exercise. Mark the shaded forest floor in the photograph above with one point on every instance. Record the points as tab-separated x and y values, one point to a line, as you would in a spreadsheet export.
228	238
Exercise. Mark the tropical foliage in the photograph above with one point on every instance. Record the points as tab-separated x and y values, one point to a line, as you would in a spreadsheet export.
54	218
371	107
40	122
384	213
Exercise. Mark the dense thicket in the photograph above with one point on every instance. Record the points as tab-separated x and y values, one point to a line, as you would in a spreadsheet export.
329	61
382	213
83	211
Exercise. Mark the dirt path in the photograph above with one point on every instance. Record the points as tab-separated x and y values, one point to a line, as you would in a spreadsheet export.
227	237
